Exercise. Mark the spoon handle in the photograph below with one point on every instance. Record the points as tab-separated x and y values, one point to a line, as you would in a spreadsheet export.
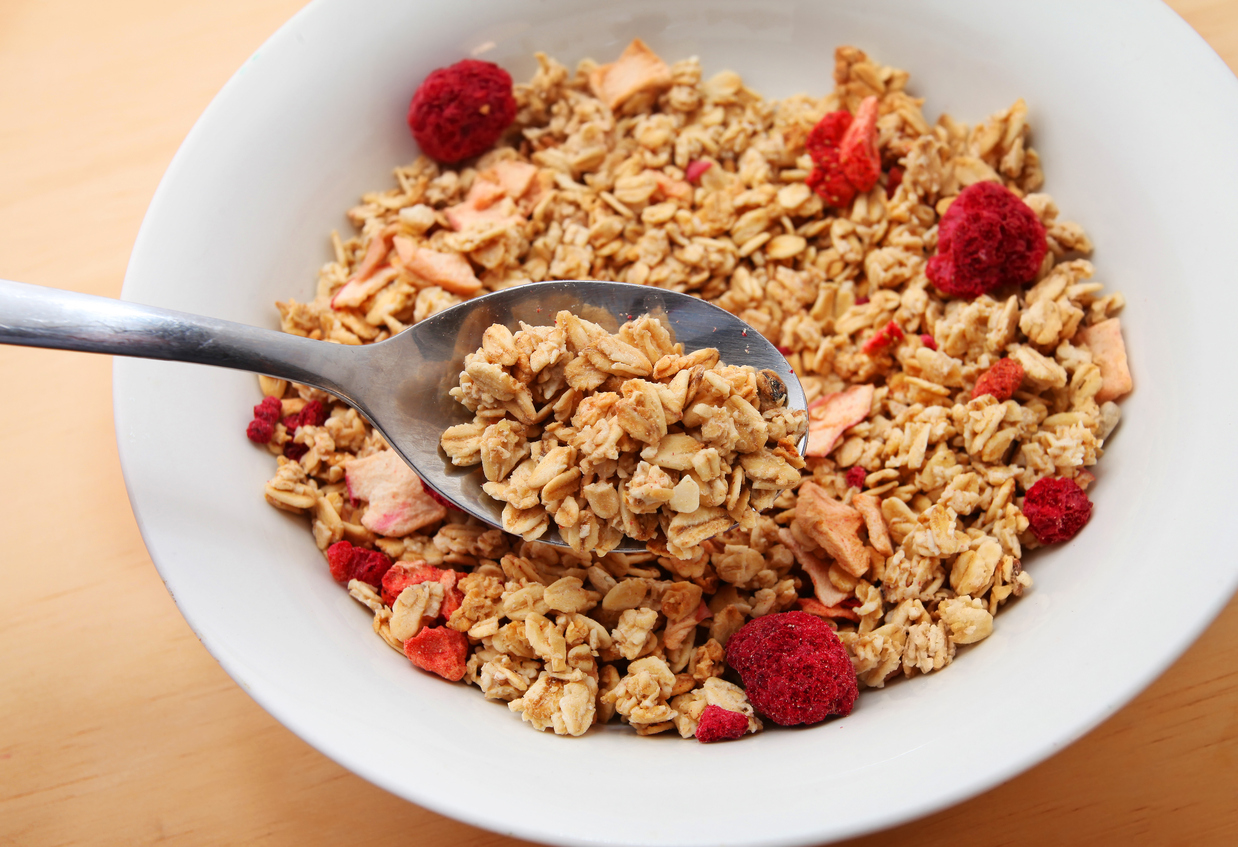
35	316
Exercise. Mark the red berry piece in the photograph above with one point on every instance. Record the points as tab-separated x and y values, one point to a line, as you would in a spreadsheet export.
1056	509
1002	380
857	152
294	451
987	238
889	334
928	341
828	183
259	431
348	562
461	111
719	724
695	170
856	477
844	150
262	427
794	668
824	139
893	181
439	650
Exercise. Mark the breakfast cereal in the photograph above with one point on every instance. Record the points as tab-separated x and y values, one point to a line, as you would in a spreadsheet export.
943	388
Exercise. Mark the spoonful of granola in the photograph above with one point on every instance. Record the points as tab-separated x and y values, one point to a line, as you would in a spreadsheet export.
596	415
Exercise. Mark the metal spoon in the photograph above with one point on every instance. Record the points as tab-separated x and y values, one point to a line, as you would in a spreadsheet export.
400	385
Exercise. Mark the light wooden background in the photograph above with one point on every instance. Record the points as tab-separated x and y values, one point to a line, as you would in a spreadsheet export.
117	727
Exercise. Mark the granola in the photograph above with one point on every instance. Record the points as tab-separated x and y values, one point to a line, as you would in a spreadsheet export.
904	530
641	443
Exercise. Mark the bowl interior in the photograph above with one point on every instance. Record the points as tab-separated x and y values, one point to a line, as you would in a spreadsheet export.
316	118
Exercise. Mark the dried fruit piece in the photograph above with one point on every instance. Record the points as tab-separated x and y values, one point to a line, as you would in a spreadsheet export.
312	414
856	477
401	576
719	724
830	416
460	111
831	186
1002	380
893	181
794	668
262	427
638	70
1056	509
439	650
350	562
696	169
884	337
1104	339
844	150
987	238
928	341
822	142
857	152
398	502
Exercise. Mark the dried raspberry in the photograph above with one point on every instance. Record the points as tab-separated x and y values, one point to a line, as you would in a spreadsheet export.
294	451
460	111
884	337
987	238
259	431
349	562
794	668
861	300
856	477
262	427
719	724
893	181
928	341
1056	509
439	650
824	139
830	185
857	152
1002	380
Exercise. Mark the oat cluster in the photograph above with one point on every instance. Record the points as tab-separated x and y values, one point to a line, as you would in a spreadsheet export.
622	434
649	173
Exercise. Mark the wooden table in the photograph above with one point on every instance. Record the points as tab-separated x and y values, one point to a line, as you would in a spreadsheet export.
117	727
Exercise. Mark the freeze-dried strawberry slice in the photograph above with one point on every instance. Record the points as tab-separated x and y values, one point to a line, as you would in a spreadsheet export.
348	562
439	650
402	575
1002	380
857	151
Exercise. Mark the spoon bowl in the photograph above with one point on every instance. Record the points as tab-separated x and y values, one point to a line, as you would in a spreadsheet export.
400	385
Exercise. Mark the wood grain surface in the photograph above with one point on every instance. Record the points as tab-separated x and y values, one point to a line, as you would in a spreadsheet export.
116	725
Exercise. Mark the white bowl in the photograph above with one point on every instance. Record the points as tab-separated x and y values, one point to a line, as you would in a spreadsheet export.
1136	121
